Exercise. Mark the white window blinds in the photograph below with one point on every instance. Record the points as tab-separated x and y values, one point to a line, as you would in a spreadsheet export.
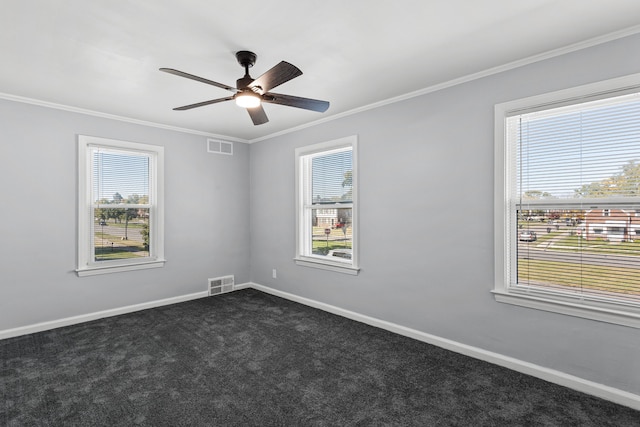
583	151
119	177
576	199
332	180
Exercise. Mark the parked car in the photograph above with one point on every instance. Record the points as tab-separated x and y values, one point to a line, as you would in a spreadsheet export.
340	253
528	236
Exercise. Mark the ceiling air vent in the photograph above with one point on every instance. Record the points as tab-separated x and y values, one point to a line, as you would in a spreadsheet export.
219	146
221	285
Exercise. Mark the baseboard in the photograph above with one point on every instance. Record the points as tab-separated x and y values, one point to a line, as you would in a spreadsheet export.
557	377
68	321
245	286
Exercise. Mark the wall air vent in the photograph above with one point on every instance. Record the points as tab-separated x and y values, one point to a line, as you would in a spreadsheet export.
219	146
221	285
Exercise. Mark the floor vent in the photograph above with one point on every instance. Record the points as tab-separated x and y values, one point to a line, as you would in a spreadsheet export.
221	285
220	147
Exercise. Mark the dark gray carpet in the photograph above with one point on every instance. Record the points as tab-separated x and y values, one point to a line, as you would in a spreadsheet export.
251	359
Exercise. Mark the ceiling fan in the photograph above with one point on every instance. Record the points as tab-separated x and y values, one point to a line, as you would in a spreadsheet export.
250	93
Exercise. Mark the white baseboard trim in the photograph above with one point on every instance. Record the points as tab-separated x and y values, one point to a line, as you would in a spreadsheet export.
557	377
68	321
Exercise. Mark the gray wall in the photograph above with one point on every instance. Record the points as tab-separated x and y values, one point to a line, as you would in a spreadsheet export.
206	220
426	194
426	221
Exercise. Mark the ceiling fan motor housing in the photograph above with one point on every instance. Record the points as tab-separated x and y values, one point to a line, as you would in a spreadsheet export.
241	84
246	58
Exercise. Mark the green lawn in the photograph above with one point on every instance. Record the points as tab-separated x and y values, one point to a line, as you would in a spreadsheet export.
108	246
337	240
620	280
110	223
576	244
322	247
119	252
544	237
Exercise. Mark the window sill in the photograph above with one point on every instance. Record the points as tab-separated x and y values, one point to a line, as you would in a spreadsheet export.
601	312
326	265
106	269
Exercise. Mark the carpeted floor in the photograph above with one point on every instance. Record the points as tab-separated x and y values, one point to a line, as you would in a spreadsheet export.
251	359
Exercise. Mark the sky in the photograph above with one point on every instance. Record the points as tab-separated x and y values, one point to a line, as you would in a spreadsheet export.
328	173
114	172
561	150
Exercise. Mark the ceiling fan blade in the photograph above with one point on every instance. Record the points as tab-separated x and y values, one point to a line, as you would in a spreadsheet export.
258	116
296	101
202	104
198	79
281	73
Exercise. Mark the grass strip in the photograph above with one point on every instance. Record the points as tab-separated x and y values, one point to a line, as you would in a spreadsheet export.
619	280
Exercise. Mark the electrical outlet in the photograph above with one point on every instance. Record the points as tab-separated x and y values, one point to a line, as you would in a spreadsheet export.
274	274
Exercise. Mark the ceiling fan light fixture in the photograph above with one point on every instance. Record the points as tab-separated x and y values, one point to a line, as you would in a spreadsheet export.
247	99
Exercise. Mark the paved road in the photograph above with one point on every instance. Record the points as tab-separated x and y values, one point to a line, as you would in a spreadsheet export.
133	233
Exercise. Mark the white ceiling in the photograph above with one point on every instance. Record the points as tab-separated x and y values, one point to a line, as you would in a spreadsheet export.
104	56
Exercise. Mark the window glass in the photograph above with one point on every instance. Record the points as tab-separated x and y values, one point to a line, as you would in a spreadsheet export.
331	177
120	180
585	158
331	184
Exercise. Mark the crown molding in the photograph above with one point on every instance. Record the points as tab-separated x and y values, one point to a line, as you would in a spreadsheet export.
94	113
433	88
467	78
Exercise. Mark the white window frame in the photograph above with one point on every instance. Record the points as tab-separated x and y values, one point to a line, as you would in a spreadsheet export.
504	217
303	206
86	265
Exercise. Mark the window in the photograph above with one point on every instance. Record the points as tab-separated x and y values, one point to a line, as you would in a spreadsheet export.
326	218
120	206
567	189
